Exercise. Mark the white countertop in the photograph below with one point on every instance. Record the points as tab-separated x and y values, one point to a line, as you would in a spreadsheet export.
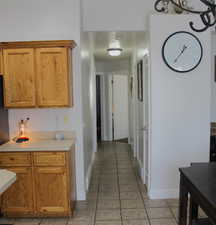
39	145
7	178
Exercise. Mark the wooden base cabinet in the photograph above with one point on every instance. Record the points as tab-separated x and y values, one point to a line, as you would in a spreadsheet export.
14	202
43	188
51	190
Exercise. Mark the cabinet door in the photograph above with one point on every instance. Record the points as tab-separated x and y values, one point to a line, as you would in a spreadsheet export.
1	62
18	199
19	75
51	191
52	77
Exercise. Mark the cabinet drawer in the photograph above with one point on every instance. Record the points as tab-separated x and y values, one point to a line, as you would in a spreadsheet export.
15	159
49	158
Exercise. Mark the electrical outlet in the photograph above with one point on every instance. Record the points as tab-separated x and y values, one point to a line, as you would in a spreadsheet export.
66	119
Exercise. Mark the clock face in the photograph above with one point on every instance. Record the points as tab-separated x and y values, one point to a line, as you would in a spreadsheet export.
182	51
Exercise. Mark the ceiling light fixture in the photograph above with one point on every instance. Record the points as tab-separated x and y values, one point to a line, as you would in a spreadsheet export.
115	48
208	15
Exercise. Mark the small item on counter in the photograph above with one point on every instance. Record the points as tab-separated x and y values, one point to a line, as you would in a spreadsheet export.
59	136
22	126
22	139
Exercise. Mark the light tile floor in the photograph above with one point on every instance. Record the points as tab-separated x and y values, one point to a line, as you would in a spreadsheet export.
116	196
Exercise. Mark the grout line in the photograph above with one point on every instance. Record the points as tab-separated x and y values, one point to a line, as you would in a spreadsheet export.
118	185
97	199
140	191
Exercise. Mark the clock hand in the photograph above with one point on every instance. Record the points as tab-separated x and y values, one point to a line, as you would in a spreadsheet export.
182	51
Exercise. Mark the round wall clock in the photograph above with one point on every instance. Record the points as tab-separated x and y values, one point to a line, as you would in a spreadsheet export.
182	51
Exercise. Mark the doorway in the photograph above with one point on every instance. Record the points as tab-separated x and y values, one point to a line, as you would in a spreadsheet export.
98	106
112	107
120	108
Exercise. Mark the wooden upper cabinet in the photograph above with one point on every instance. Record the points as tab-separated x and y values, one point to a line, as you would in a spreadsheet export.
19	76
52	68
37	74
1	63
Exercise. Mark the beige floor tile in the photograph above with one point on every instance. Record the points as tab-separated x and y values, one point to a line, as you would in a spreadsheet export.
109	187
157	213
127	181
172	202
144	195
27	221
133	214
54	221
175	212
107	215
108	195
130	195
132	204
108	204
155	203
129	187
92	196
84	222
135	222
108	223
163	222
80	215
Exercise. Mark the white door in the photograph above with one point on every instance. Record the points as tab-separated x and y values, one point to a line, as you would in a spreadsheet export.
120	107
143	128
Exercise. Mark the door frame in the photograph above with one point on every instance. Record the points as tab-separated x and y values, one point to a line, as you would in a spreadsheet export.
147	182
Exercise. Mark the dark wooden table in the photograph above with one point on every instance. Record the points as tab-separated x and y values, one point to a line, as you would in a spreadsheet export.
199	181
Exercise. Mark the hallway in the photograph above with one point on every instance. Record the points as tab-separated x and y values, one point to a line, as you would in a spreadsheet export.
116	195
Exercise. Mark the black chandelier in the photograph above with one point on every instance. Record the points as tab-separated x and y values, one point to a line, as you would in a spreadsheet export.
208	16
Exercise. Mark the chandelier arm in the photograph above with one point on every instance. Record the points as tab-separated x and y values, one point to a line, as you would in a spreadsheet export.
208	3
156	6
207	19
189	10
198	30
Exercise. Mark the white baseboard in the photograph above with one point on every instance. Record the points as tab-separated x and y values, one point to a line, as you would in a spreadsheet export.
163	193
89	172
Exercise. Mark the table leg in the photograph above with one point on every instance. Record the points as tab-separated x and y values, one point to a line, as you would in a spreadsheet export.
193	214
183	202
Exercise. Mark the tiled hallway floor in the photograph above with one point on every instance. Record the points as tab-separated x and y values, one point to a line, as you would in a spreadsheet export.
116	196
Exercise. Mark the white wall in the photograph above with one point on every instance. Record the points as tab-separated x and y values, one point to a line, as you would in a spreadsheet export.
27	20
89	104
180	109
106	111
213	83
121	15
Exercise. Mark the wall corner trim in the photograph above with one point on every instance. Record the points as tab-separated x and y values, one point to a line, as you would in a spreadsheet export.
89	172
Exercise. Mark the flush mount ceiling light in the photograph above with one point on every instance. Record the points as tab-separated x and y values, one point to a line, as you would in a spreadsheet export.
208	15
115	48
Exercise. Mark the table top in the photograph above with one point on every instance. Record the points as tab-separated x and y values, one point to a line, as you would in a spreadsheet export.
203	177
7	178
